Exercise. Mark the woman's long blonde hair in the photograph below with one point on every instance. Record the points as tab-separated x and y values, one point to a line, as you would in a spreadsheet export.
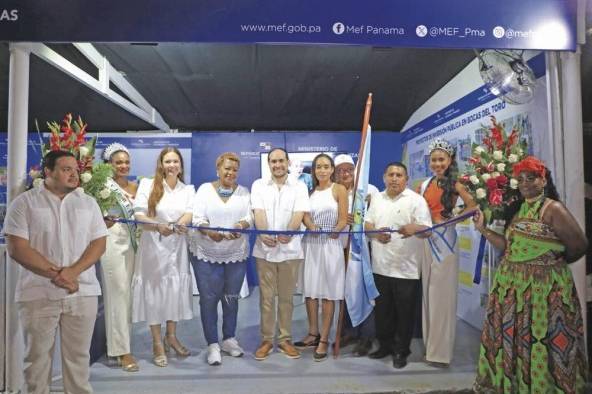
157	188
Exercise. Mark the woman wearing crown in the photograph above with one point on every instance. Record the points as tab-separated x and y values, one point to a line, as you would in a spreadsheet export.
117	264
440	269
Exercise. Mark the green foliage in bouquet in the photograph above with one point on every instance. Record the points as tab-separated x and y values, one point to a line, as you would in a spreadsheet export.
94	184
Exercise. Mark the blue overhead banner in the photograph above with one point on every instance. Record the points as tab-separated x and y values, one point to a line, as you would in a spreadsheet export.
474	99
525	24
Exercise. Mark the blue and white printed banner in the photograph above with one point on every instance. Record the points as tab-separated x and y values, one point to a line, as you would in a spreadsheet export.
526	24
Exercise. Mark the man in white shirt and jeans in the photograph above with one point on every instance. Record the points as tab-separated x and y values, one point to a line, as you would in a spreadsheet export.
278	203
56	233
396	261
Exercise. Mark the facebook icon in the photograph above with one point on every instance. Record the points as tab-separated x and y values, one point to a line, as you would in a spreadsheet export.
338	28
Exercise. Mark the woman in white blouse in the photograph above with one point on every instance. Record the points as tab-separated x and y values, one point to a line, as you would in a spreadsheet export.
161	285
219	258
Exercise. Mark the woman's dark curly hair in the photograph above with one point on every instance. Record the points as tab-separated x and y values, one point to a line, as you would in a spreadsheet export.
448	183
550	191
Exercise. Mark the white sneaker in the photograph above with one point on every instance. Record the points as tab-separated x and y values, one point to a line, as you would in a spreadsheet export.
214	356
232	347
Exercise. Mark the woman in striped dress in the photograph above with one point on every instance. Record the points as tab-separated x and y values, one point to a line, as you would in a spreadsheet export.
324	266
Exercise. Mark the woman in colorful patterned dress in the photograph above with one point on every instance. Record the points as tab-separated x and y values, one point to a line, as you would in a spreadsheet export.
533	334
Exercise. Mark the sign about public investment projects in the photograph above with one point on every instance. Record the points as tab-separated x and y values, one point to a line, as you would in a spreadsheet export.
524	24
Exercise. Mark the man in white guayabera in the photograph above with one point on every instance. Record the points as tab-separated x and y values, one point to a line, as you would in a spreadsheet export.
56	233
278	203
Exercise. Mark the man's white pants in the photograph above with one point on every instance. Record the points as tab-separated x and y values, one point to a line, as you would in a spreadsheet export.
75	317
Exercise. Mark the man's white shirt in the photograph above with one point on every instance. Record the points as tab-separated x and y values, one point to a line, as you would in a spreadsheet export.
279	205
60	230
401	257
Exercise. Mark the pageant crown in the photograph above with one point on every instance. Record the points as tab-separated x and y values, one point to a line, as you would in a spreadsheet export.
114	147
441	144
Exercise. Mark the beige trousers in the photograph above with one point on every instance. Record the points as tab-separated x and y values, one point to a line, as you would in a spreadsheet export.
117	268
440	291
277	279
75	317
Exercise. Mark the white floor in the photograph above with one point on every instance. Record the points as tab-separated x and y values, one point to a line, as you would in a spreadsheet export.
277	374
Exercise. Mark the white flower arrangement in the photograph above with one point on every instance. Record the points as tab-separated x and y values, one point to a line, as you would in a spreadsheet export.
489	172
514	183
85	177
105	193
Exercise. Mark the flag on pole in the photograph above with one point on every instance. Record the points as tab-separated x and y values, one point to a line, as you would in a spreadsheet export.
360	290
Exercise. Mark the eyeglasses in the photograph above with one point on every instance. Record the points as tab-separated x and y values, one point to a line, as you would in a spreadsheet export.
526	179
345	170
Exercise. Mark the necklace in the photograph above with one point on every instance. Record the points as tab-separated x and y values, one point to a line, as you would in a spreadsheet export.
530	208
535	199
224	192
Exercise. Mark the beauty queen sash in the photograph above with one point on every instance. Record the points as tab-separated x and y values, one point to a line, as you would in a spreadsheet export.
443	241
127	210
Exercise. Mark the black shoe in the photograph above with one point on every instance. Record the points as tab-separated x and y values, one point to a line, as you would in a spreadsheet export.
314	343
399	361
362	348
382	352
320	356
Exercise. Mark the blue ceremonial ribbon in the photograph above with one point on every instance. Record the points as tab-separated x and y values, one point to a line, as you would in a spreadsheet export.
479	262
298	232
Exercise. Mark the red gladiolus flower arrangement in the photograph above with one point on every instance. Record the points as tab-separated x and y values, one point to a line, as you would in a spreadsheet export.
489	172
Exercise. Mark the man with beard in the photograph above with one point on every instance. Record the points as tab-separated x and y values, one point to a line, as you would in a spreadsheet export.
278	203
56	233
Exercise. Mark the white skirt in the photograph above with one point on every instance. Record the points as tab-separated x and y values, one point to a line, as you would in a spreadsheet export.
324	270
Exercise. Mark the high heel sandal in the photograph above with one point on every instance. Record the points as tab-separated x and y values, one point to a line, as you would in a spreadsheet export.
130	366
305	344
160	358
181	350
320	356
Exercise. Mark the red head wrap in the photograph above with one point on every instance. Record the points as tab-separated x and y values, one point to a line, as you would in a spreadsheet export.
530	164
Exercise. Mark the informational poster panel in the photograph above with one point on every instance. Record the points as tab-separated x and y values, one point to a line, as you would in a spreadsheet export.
144	149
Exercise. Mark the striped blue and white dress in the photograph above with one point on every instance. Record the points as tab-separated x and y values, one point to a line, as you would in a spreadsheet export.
324	265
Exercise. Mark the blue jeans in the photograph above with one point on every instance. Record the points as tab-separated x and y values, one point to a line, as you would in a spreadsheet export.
218	283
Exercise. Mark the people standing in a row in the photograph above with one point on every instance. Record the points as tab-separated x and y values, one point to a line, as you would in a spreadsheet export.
161	285
278	203
219	259
117	263
56	233
396	261
439	274
324	265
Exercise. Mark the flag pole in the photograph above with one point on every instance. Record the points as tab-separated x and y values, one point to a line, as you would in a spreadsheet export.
342	305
